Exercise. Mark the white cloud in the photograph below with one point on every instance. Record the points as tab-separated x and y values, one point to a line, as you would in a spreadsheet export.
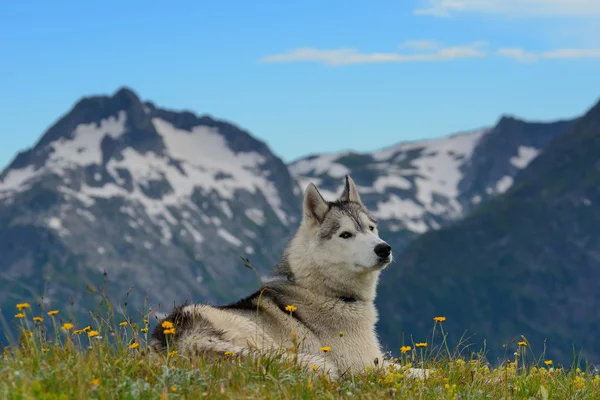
420	45
522	55
352	56
568	8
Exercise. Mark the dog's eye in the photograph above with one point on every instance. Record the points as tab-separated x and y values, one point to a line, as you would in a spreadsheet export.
345	235
371	228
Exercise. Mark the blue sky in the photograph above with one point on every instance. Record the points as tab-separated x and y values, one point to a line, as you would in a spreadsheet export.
305	76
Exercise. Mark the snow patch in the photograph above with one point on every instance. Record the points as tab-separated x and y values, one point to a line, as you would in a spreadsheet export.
504	184
229	237
384	182
322	164
525	156
255	215
196	235
56	224
226	209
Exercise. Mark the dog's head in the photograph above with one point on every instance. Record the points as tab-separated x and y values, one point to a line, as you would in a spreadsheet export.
342	236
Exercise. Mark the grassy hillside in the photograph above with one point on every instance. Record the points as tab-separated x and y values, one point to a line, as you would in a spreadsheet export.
56	358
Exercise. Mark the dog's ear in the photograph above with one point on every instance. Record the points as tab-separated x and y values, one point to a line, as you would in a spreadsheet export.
315	206
350	192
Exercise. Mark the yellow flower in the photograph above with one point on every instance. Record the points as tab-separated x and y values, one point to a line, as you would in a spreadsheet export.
45	350
38	319
173	353
20	315
78	332
341	333
93	333
228	353
325	349
124	323
170	331
548	362
144	330
405	349
53	312
522	343
87	328
291	308
28	333
134	345
173	389
67	326
167	324
439	319
22	306
314	368
95	381
424	344
460	362
146	321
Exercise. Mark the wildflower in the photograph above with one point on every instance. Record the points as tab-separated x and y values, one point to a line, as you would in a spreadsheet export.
45	350
95	382
78	332
22	306
87	328
20	315
170	331
325	349
460	362
173	389
53	312
93	333
291	308
439	319
228	353
38	319
522	343
67	326
341	333
405	349
424	344
173	353
146	321
314	368
548	362
167	324
144	330
134	345
124	323
28	333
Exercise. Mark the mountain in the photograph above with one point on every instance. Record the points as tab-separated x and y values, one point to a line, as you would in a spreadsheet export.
416	187
524	263
158	199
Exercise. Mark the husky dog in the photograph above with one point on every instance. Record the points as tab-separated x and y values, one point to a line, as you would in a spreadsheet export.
328	273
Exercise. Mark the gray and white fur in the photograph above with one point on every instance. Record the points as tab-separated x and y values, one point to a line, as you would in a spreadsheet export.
329	271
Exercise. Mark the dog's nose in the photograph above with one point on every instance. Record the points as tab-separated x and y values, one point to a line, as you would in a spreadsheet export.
383	250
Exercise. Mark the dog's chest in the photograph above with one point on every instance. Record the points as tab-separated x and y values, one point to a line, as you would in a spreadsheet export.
350	332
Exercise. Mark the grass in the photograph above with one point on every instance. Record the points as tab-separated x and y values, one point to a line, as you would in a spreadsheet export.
109	358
